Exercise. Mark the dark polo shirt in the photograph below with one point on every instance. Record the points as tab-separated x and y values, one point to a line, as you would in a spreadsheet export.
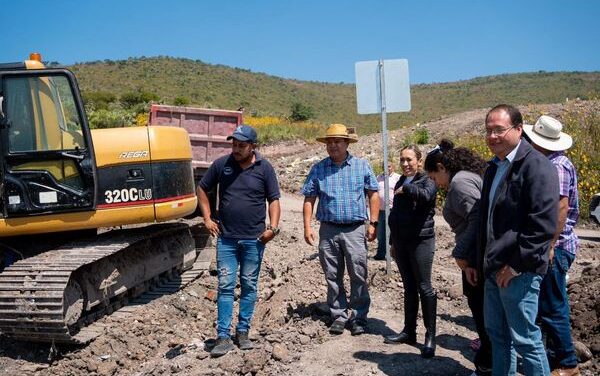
242	195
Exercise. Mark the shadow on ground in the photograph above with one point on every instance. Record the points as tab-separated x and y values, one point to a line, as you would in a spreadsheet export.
456	343
462	320
413	364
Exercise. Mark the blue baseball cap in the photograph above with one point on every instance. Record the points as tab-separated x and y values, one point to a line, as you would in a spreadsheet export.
244	133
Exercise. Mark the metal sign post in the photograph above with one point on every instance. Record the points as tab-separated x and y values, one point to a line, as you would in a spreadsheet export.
386	178
376	95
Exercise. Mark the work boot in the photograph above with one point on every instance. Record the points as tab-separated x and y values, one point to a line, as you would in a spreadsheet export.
222	347
402	337
429	304
566	372
583	353
337	327
409	333
358	327
243	342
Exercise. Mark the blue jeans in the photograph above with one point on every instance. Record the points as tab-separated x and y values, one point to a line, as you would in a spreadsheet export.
381	225
554	312
510	314
248	254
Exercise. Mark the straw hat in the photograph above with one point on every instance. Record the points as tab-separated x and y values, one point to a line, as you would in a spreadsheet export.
547	134
339	130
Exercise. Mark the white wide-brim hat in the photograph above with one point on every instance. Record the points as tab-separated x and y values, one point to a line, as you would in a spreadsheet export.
547	134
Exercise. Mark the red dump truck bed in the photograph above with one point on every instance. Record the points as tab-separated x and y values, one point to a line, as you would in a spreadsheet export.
208	130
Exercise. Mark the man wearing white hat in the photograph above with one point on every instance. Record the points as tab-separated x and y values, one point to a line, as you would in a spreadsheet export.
547	137
340	182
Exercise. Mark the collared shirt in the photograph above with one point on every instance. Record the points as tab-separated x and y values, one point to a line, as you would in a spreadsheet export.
392	179
502	167
243	194
340	189
567	178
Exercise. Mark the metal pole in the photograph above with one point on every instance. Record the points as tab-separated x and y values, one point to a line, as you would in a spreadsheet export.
386	182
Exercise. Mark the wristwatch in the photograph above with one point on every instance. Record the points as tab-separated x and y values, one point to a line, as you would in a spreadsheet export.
513	272
373	223
276	230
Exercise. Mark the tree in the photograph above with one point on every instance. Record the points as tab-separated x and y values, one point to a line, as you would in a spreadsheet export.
301	112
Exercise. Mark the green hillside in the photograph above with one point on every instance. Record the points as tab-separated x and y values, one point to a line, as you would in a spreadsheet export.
219	86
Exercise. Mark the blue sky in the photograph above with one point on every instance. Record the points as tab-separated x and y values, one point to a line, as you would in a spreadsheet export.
314	40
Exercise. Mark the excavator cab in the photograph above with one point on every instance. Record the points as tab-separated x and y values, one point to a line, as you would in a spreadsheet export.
46	152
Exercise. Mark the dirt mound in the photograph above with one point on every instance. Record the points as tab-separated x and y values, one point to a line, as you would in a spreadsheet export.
585	312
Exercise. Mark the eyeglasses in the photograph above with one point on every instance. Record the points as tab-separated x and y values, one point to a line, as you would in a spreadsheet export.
498	132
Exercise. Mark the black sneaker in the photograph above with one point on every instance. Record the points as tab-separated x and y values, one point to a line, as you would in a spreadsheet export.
337	327
243	342
222	347
358	327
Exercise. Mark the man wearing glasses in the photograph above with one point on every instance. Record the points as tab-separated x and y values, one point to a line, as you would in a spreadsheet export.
518	220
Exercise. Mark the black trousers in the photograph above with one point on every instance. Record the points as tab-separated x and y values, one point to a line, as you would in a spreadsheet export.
474	295
415	259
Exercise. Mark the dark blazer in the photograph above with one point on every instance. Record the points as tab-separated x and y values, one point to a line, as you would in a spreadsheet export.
413	210
525	214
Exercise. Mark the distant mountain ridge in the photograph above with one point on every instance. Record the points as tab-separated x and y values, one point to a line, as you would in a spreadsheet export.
219	86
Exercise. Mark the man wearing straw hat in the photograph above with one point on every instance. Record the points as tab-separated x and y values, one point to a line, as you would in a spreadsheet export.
343	184
547	137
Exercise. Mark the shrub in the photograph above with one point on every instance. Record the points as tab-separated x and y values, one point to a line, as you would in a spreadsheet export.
181	101
301	112
419	136
131	99
113	116
99	99
141	119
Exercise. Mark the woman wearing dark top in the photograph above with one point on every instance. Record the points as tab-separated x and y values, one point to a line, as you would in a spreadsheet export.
459	171
411	225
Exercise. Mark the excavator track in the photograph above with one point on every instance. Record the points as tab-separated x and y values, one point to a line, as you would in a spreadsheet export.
53	296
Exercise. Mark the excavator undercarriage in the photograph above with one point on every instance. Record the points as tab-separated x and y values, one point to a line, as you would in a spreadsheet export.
54	295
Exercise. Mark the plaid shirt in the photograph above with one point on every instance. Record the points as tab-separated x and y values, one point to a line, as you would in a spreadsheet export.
341	189
567	177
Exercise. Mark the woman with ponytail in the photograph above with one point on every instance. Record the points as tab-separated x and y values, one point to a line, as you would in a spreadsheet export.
459	171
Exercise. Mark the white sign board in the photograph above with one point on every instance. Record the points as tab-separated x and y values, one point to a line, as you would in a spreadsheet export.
368	89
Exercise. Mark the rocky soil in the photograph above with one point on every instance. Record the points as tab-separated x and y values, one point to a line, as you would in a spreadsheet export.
171	334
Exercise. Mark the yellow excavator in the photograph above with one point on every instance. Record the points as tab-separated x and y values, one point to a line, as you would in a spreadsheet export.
60	181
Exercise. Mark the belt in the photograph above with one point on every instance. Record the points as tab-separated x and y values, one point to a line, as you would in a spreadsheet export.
351	224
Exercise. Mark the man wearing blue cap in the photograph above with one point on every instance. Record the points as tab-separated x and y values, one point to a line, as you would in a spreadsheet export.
246	182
